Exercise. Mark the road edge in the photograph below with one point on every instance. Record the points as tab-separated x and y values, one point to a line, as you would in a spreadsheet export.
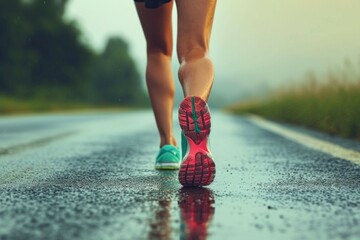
306	140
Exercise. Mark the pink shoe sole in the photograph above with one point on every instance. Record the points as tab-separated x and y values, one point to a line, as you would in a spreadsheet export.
198	167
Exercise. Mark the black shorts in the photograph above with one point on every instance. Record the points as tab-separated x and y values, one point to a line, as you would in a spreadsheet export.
153	3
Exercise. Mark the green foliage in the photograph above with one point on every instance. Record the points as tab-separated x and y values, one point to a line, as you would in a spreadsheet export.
332	106
14	59
62	62
10	105
42	57
115	74
40	51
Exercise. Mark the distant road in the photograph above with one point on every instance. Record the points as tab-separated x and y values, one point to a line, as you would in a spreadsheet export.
91	176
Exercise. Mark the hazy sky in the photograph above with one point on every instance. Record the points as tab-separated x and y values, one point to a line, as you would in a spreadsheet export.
256	44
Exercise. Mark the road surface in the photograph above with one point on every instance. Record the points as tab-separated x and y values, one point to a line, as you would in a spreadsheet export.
91	176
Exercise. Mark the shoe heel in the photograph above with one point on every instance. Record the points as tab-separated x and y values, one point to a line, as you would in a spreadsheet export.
197	172
198	167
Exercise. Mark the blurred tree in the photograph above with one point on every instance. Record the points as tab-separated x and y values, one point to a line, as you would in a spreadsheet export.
61	5
41	53
41	56
14	58
115	75
63	63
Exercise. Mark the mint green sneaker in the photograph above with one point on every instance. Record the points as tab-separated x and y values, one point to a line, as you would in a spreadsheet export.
168	158
184	145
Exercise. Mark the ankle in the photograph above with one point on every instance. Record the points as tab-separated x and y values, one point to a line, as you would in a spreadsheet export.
167	141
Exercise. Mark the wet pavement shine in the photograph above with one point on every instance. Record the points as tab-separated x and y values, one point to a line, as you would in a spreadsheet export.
91	176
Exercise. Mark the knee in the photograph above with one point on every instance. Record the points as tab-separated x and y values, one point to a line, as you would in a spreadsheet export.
159	48
192	53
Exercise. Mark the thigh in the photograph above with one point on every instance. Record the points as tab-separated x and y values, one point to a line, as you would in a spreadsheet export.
157	26
195	18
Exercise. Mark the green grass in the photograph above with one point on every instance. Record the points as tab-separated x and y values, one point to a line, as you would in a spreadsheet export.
9	105
332	106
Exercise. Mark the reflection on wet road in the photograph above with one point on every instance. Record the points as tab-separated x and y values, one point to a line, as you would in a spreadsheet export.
196	207
99	182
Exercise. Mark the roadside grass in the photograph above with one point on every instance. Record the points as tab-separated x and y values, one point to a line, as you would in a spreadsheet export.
10	106
331	105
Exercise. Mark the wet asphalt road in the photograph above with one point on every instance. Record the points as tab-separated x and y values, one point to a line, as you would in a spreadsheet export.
91	176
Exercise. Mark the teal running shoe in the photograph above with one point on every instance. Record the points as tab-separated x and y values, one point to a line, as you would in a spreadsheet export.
168	158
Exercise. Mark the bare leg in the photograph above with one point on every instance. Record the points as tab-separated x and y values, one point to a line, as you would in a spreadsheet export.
156	24
196	72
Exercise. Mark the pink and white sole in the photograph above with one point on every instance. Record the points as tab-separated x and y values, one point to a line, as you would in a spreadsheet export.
198	167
